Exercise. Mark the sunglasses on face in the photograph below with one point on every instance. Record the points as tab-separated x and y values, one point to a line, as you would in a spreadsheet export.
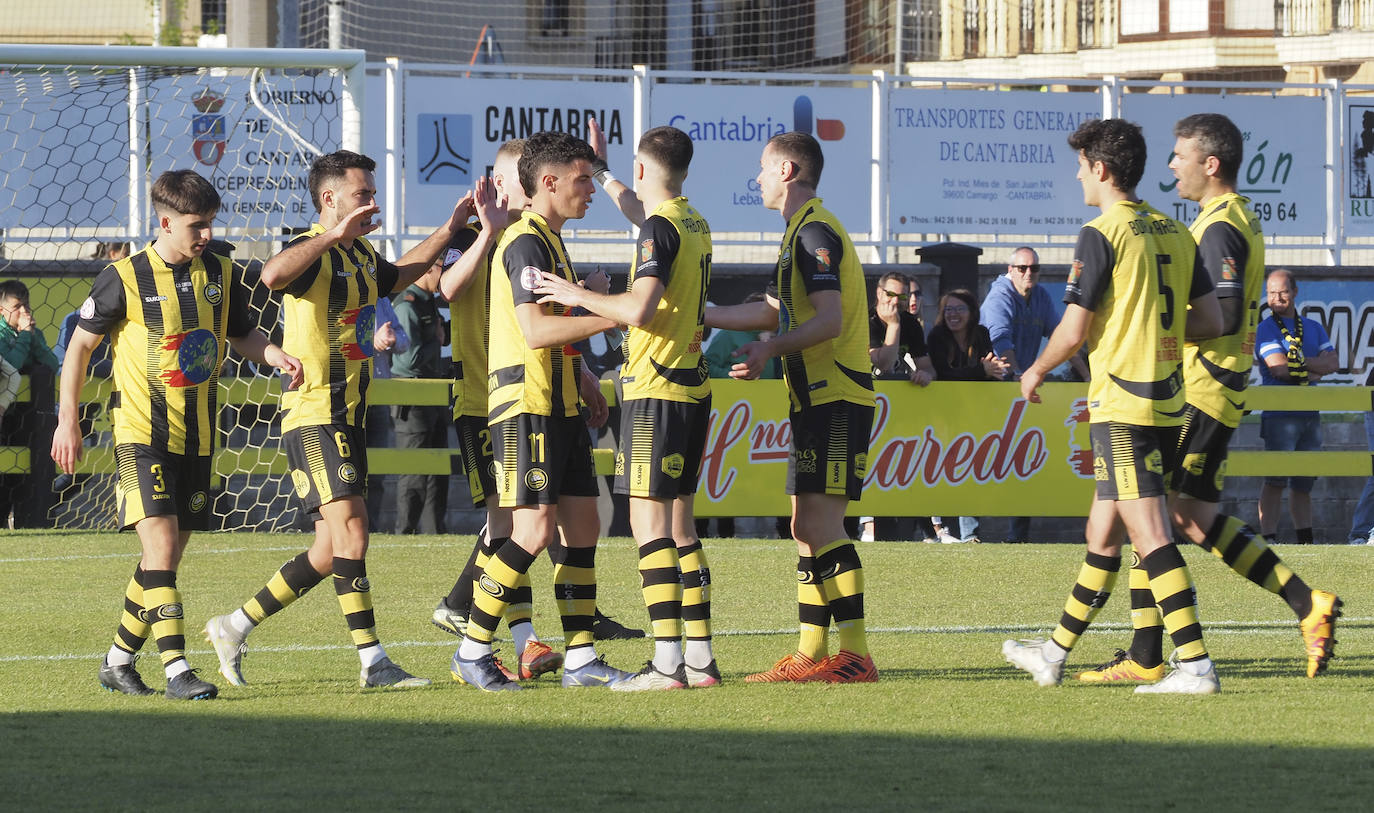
1034	268
893	294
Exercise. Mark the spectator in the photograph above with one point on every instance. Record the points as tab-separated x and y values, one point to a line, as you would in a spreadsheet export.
914	297
961	350
1019	314
25	349
1362	523
1283	346
421	499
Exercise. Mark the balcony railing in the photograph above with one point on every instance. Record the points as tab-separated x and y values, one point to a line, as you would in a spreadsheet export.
1306	18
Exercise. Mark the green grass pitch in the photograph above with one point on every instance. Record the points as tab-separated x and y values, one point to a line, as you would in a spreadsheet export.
950	726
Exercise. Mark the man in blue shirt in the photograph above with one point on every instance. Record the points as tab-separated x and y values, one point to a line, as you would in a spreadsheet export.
1291	351
1019	314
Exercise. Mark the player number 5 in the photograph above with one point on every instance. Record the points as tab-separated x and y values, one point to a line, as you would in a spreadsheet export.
1166	316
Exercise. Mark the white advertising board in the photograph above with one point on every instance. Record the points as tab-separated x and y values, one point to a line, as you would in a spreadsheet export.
209	123
454	127
730	125
1358	155
1282	171
985	161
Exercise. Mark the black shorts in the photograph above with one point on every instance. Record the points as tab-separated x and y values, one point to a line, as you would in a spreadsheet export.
541	458
1130	461
1201	459
660	447
153	483
829	449
475	459
327	463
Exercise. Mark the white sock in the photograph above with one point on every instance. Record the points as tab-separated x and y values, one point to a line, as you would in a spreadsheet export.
1196	668
370	655
119	657
176	667
578	657
522	633
241	623
471	650
667	656
699	654
1054	653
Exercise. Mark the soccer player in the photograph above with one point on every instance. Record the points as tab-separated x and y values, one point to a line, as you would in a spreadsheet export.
820	315
1207	158
331	277
167	310
544	468
666	405
1133	296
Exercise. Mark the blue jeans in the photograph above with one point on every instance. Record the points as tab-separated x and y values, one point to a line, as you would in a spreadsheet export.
968	526
1363	521
1291	432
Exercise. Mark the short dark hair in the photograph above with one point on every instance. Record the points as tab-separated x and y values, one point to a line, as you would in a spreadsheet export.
185	192
804	152
13	288
332	167
1216	135
1115	143
897	275
549	149
669	147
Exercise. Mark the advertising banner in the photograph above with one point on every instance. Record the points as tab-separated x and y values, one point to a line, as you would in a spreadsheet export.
1283	170
454	128
985	161
949	448
729	126
1358	155
209	123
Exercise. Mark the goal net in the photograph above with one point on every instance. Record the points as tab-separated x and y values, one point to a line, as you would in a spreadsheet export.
83	134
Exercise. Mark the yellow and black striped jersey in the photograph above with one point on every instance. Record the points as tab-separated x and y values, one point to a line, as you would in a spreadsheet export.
520	379
817	255
468	329
331	316
1231	245
1134	269
167	327
663	358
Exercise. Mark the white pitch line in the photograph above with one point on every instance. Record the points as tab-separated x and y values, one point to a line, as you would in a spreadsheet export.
1211	627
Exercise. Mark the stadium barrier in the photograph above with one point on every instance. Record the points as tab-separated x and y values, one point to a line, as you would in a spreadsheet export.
977	448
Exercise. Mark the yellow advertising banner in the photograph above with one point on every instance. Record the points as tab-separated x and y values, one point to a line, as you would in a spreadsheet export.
950	448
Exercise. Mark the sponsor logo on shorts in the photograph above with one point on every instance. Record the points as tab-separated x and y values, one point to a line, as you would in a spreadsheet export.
301	481
620	464
805	460
861	465
536	480
169	611
672	465
1154	462
529	278
491	587
348	473
198	502
213	293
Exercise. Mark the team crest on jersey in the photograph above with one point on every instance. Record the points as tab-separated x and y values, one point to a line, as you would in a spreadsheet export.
197	355
646	250
536	480
529	278
823	260
301	481
88	308
673	465
213	293
198	502
348	473
371	269
451	257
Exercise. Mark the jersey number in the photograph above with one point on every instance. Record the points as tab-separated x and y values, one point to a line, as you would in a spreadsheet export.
485	435
536	447
341	440
705	283
1166	317
159	485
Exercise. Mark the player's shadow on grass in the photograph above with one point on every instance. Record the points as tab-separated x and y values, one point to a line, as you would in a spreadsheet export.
208	757
1354	666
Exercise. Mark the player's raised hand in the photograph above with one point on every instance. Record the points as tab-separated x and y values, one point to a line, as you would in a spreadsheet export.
596	137
554	288
463	211
357	223
493	208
